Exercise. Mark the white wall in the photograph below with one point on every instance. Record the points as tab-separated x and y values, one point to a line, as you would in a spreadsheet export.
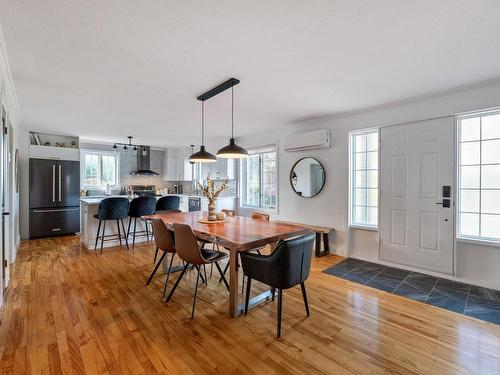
8	99
330	207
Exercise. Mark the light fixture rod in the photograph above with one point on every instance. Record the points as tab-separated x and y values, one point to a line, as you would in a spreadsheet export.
218	89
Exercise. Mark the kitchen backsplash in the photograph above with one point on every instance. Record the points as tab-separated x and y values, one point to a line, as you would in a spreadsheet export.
188	187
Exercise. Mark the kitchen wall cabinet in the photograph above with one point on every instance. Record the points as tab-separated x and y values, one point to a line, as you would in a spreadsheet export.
178	169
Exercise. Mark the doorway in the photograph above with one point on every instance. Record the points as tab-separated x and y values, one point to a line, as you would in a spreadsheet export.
416	203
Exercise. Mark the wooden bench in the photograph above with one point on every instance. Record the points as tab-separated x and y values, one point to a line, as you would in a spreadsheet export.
320	232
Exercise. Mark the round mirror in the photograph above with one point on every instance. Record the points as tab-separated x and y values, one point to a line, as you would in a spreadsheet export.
307	177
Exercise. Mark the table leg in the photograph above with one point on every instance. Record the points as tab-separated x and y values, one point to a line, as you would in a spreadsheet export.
318	244
233	284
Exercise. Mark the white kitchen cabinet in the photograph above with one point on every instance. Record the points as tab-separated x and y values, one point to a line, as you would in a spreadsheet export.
170	173
178	169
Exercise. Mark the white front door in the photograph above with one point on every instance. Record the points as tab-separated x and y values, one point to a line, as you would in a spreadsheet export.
416	170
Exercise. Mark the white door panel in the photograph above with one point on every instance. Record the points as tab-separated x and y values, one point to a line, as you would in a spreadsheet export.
416	161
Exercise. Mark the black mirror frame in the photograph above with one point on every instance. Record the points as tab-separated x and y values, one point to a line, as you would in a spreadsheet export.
324	174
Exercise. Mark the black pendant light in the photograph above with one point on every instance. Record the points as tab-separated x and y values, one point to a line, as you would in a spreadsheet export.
202	156
232	150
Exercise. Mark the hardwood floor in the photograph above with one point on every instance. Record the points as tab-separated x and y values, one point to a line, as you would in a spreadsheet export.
69	310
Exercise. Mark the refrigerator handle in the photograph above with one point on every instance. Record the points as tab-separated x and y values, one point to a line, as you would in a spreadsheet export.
60	169
53	183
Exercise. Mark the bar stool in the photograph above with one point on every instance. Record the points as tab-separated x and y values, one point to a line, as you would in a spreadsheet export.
111	209
168	203
139	207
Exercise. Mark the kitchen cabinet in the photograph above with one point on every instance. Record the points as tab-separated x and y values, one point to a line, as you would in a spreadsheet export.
178	169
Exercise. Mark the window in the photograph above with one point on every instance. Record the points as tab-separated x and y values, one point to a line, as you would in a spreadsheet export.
99	169
479	176
259	179
364	146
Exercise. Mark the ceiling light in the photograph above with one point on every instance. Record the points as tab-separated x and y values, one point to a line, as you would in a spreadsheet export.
202	156
232	150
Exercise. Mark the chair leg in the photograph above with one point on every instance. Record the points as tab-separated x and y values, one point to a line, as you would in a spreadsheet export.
156	267
97	237
168	274
133	238
273	291
221	275
225	270
126	237
304	295
103	232
129	222
195	291
247	297
177	282
280	311
147	230
119	234
205	272
156	254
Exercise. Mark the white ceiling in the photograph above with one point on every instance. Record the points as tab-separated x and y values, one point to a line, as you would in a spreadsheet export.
107	69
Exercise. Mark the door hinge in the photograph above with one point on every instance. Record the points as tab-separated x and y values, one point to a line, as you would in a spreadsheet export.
5	263
5	130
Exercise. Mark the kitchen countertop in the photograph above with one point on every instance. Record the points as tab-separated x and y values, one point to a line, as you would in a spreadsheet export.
98	198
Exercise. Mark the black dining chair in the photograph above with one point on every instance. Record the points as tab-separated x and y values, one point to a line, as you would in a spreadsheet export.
168	203
111	209
140	206
286	267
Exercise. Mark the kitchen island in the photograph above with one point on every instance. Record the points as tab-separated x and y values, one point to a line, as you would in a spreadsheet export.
89	224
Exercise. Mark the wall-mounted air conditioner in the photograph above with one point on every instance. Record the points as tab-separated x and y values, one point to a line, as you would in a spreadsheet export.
312	140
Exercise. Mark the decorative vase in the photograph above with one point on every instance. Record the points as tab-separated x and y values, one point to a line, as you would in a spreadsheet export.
211	209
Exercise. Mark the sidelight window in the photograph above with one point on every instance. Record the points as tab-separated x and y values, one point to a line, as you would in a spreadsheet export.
364	160
479	176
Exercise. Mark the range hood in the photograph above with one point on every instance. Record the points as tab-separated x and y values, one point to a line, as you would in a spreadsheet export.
144	162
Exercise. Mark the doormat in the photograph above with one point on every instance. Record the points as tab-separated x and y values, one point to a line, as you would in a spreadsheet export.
466	299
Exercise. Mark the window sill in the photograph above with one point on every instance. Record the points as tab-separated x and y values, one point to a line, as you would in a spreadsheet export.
474	241
371	229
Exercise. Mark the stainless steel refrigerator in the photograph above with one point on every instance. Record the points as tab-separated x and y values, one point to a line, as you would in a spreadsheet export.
54	197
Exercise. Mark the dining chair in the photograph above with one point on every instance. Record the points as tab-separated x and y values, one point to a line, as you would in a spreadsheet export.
260	216
164	242
286	267
189	250
230	213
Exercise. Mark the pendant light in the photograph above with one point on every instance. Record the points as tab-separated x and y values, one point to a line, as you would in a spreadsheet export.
202	156
232	150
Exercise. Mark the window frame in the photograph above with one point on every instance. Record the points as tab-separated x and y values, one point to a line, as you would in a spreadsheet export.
351	173
242	179
84	152
490	241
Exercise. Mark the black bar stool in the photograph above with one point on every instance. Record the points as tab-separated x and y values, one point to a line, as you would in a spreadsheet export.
111	209
168	203
139	207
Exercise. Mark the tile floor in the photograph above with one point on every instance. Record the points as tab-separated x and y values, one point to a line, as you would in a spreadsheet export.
471	300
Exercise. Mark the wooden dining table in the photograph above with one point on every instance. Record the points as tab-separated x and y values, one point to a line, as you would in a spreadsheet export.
236	234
